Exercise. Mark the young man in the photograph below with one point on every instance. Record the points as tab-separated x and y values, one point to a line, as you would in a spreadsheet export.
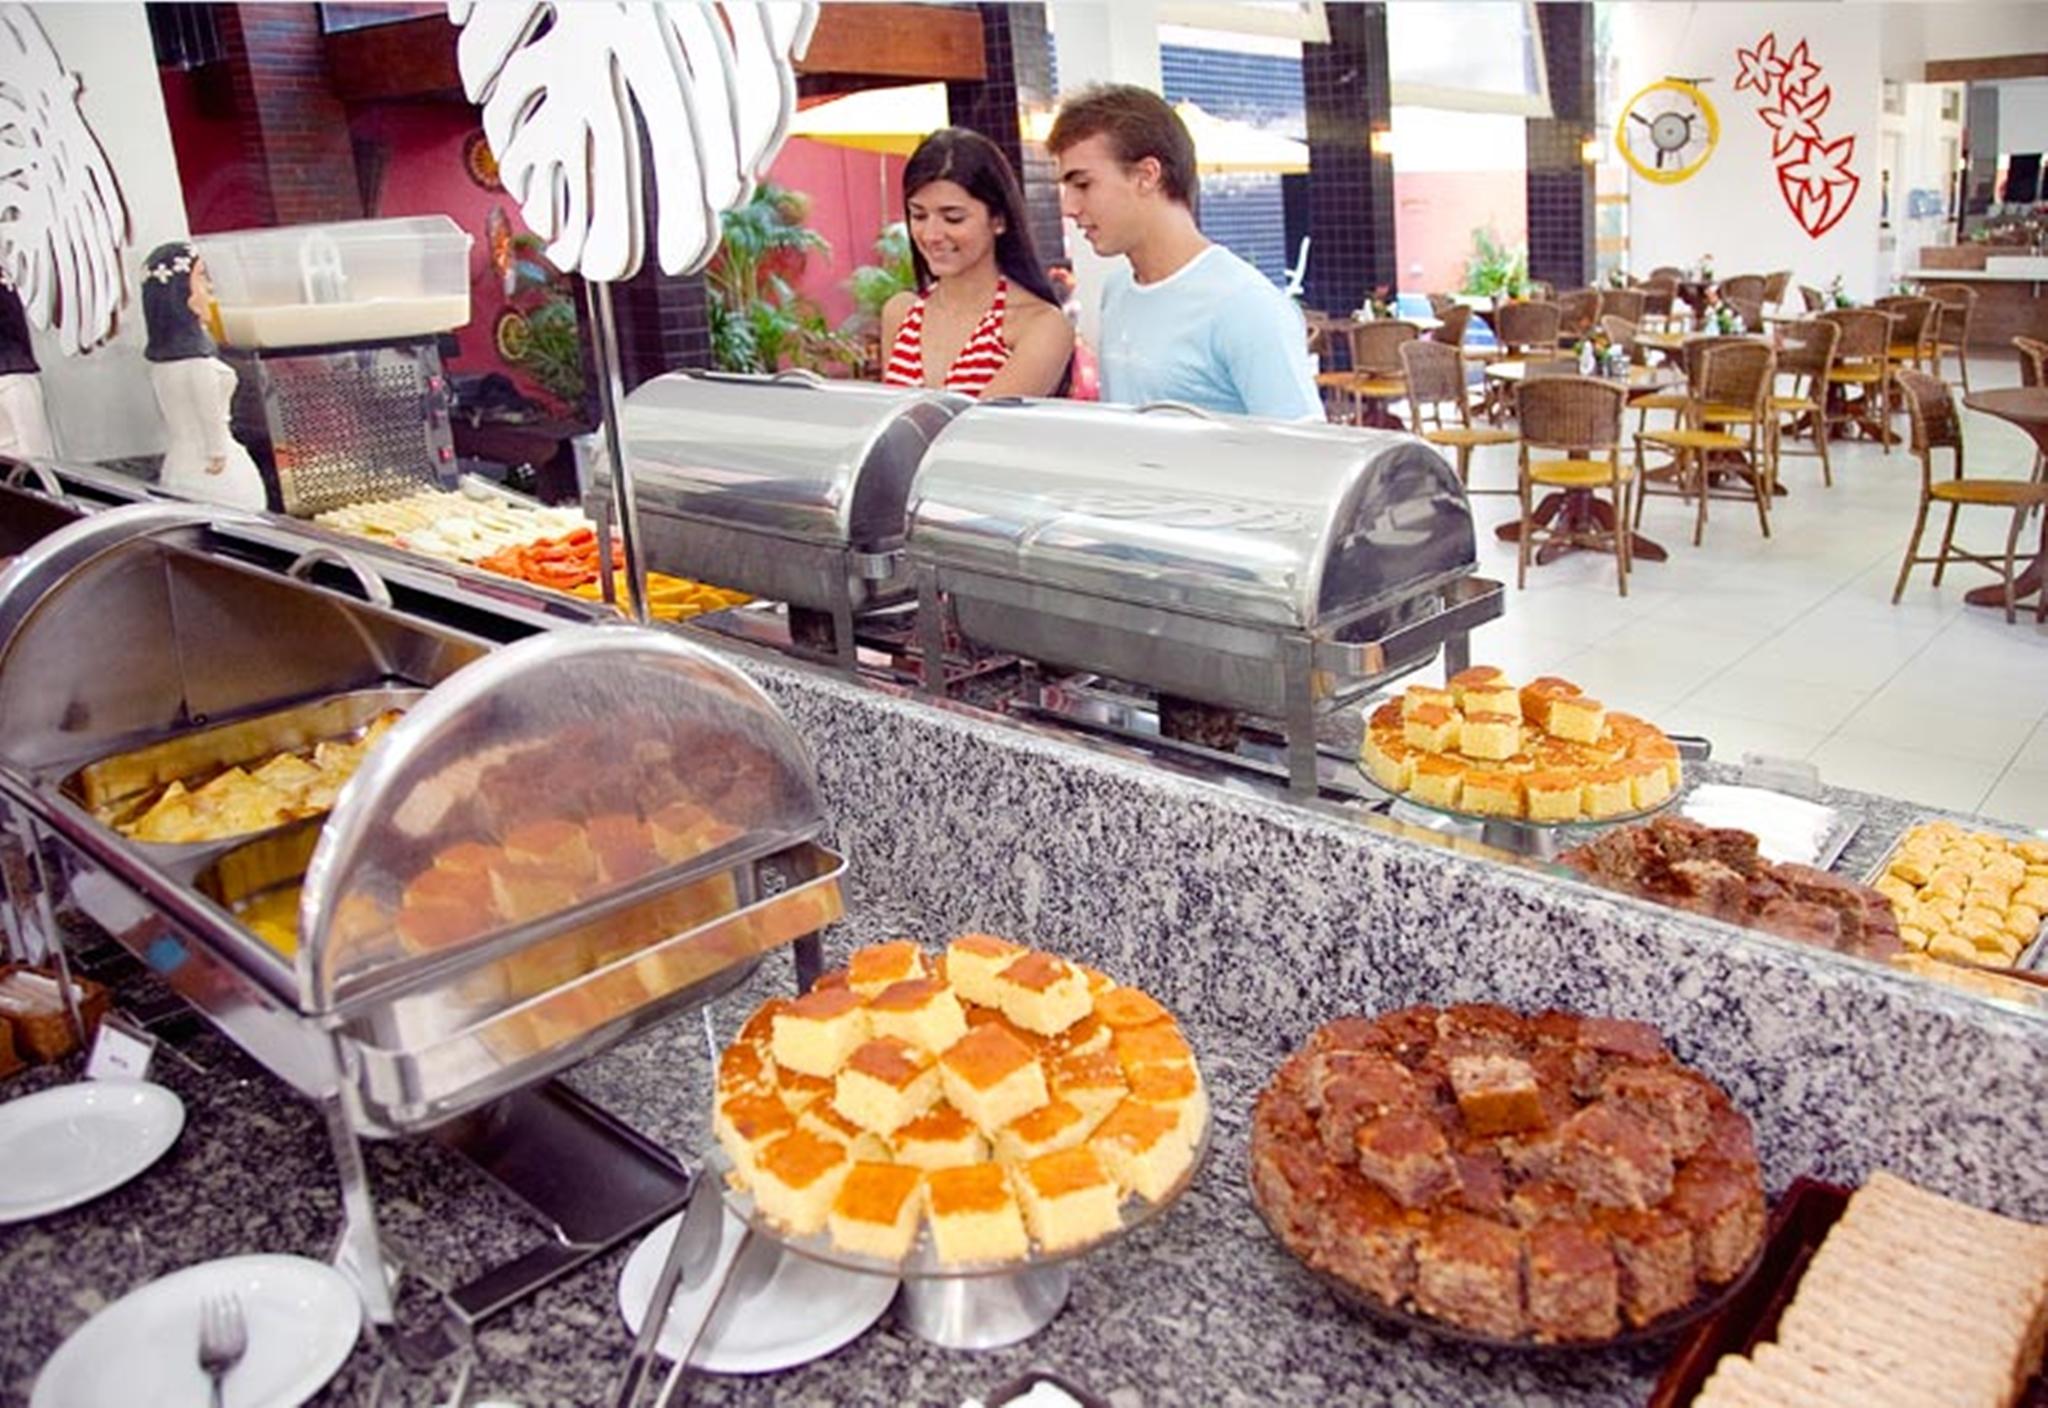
1187	320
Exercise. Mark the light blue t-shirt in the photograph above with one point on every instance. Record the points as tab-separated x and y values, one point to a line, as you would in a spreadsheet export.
1214	333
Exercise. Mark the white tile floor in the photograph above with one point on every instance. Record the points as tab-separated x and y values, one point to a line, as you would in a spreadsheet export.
1791	647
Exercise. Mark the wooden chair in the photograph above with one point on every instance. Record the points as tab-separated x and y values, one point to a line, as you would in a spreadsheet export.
1440	305
1452	324
1914	320
1952	328
1376	368
1806	356
1677	399
1856	382
1623	303
2034	372
1435	374
1580	416
1577	312
1622	332
1658	296
1749	310
1931	411
1813	298
1747	287
1776	286
1724	434
1526	332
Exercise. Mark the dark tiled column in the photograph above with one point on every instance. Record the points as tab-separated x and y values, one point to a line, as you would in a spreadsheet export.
1560	183
294	130
662	323
1350	190
1017	77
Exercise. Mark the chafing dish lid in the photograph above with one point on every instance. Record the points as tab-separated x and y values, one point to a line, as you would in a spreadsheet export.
534	781
791	454
1284	524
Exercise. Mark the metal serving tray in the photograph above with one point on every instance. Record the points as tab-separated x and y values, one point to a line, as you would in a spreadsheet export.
2033	957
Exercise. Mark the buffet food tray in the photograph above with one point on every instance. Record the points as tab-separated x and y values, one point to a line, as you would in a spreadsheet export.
2033	958
1748	1318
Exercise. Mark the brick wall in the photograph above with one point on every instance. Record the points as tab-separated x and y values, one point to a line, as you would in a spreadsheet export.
295	132
1350	191
1560	182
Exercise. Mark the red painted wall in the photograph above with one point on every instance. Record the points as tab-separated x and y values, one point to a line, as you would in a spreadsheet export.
212	166
1435	213
849	207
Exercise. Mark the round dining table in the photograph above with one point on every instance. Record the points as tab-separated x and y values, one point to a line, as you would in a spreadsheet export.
1578	511
2027	408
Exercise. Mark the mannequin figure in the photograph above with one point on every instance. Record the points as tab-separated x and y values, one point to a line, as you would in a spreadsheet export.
193	387
24	429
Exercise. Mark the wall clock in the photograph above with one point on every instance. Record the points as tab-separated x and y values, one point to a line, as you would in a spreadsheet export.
1668	130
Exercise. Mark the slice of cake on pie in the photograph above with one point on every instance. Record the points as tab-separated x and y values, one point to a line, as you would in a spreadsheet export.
875	967
1141	1147
943	1138
922	1011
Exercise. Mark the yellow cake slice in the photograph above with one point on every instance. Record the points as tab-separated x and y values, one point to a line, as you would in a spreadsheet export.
1043	994
885	1084
827	1123
1491	793
1388	760
1577	718
743	1124
1120	1009
1432	728
1069	1198
1649	785
1156	1044
1085	1037
1608	793
1553	796
1177	1089
1046	1130
1093	1084
1491	736
797	1177
991	1077
877	966
1142	1148
973	962
974	1215
922	1011
1421	696
1539	694
941	1138
1439	781
745	1068
1498	698
877	1210
815	1034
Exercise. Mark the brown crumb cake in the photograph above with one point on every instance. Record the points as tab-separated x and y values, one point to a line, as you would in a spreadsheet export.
1550	1177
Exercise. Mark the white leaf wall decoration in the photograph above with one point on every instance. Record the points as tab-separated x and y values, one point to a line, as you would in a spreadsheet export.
568	89
63	226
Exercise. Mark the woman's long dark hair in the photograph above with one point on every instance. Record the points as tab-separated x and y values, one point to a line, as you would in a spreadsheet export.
978	166
175	332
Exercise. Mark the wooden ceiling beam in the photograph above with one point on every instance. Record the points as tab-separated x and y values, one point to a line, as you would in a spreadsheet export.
904	43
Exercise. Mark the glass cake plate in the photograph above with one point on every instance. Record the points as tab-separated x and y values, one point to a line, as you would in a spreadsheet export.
978	1305
1543	839
1664	1325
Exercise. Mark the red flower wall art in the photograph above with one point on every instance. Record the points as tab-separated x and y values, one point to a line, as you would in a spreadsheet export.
1813	172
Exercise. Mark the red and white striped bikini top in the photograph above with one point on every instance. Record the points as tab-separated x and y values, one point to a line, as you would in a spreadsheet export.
981	356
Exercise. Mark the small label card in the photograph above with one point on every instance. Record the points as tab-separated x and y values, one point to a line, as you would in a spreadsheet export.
121	1051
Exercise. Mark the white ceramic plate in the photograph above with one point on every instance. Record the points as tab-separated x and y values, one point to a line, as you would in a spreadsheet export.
781	1310
71	1143
302	1318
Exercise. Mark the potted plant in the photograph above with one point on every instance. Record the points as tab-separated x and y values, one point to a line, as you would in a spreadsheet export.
1493	270
759	323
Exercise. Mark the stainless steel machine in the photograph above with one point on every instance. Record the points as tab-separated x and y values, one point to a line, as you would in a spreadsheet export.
1261	569
556	843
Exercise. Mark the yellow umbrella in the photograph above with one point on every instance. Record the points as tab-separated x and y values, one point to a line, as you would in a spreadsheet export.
890	120
1224	146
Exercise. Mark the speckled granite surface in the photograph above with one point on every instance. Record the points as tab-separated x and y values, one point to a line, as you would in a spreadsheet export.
1256	921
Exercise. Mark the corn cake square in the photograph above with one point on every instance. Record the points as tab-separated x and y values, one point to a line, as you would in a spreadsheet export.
1608	793
885	1084
1553	796
1141	1147
940	1138
1491	793
991	1077
798	1176
877	966
1123	1008
1177	1089
922	1011
1577	718
1049	1128
1439	781
743	1124
815	1034
1539	694
827	1123
1432	728
973	962
1421	696
1043	994
1156	1044
877	1210
1649	785
1093	1084
1069	1198
1089	1034
745	1068
1389	760
799	1091
1492	736
1474	677
974	1215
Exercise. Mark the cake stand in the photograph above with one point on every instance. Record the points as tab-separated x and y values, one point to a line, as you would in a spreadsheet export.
1539	840
977	1306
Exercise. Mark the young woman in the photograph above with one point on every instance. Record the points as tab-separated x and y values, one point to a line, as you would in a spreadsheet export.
985	320
194	388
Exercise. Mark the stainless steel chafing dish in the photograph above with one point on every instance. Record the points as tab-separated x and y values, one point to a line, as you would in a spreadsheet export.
561	841
1278	570
787	487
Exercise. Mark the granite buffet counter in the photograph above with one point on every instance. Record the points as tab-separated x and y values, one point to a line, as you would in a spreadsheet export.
1253	919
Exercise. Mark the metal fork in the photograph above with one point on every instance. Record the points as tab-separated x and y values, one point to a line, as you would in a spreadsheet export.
223	1338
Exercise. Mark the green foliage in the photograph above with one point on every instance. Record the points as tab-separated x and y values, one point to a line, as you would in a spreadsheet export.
873	285
758	322
554	354
1493	268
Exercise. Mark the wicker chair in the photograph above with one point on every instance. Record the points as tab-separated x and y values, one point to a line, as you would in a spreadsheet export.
1440	305
1725	433
1776	287
1806	356
2033	361
1857	380
1542	291
1526	332
1577	312
1451	325
1952	329
1623	303
1581	416
1914	322
1749	310
1747	287
1813	298
1931	410
1376	368
1658	296
1435	374
1665	273
1677	400
1622	332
